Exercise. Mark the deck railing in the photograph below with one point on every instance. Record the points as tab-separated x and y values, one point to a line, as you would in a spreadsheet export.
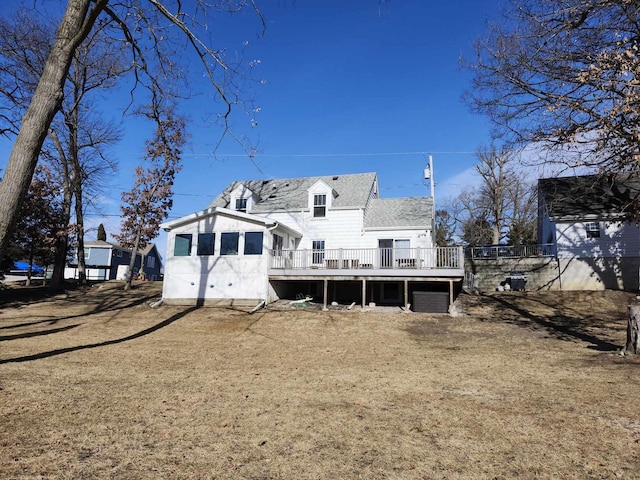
489	252
369	258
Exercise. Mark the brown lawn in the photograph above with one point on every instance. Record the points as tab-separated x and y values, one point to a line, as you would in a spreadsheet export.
97	384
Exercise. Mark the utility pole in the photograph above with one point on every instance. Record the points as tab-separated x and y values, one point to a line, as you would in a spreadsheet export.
428	175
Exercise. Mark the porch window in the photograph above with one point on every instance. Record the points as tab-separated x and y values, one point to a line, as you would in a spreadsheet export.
229	243
182	246
318	252
206	242
593	229
253	243
319	205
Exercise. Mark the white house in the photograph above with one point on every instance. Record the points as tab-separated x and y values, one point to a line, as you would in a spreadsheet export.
586	218
332	238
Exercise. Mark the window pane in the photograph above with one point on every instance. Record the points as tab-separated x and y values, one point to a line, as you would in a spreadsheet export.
253	243
182	247
402	249
206	242
229	243
241	204
319	205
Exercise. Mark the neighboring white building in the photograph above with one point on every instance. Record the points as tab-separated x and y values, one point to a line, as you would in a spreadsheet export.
586	218
329	237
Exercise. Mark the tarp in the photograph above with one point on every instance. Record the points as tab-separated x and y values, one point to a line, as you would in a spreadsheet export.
24	266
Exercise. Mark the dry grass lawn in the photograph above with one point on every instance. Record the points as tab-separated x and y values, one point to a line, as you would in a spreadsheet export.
96	384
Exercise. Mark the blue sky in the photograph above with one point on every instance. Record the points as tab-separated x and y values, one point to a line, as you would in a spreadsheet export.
347	87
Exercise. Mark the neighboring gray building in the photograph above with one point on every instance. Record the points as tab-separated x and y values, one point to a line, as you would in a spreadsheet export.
109	261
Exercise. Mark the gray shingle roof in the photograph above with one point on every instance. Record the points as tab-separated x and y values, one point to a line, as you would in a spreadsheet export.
351	190
400	212
590	196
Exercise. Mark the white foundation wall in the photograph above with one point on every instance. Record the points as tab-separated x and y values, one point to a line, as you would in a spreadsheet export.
216	277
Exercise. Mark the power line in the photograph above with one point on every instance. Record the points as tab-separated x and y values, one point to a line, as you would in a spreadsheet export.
297	155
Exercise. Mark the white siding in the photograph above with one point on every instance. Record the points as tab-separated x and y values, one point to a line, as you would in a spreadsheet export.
617	240
339	229
216	276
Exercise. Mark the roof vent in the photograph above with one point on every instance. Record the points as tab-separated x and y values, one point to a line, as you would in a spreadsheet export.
335	178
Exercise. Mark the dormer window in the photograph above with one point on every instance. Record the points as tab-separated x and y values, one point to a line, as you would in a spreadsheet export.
241	204
319	205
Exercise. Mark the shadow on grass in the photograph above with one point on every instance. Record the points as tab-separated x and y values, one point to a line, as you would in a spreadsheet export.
98	302
4	338
560	326
142	333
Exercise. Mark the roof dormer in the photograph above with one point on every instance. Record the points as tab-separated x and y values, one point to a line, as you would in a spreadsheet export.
321	197
241	198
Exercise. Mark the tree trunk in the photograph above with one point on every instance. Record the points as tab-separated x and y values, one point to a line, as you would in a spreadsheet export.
43	107
132	262
29	271
62	242
62	245
633	331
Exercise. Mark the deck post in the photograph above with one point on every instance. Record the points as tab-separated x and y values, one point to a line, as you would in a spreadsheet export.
406	293
326	287
364	293
450	293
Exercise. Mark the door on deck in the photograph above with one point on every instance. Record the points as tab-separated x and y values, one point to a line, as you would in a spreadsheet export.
386	252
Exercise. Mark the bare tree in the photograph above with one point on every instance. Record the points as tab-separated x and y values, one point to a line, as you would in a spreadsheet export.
503	206
498	178
154	50
78	136
148	203
565	73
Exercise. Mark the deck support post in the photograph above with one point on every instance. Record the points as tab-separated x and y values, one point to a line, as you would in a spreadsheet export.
450	294
364	293
406	293
326	287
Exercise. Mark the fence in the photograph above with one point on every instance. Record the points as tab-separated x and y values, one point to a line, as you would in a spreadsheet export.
489	252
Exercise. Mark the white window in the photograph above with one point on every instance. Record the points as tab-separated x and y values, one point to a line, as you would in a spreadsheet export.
87	253
319	205
593	229
151	262
118	253
241	204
